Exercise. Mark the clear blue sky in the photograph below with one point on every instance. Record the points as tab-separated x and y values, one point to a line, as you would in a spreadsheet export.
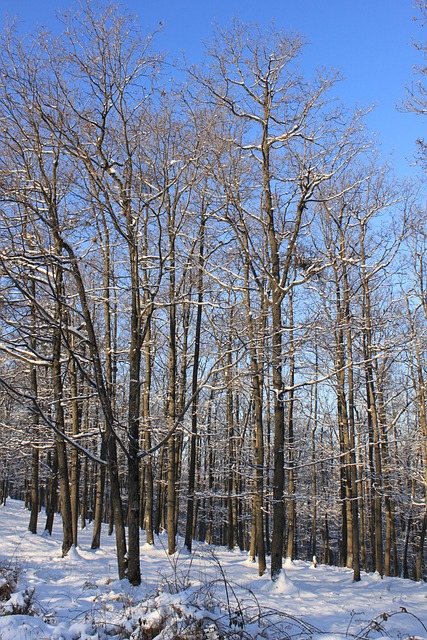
369	41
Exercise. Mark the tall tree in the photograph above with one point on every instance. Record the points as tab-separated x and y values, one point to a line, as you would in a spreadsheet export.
253	77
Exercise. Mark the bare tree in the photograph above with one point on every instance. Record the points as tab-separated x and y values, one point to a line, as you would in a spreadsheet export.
253	76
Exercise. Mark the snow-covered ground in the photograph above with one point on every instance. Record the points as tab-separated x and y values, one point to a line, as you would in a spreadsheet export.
211	594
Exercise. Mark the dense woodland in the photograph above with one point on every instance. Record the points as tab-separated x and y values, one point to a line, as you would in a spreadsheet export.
213	310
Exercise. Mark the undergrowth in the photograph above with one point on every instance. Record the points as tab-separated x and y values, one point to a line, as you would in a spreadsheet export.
12	600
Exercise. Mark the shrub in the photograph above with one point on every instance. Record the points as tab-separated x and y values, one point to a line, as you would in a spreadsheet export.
13	601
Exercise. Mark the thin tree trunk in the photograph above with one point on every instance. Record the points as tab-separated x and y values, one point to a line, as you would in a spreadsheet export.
291	519
373	420
313	456
58	396
148	519
171	471
194	384
51	490
159	519
110	436
134	568
419	561
35	455
405	568
351	455
99	499
76	417
85	490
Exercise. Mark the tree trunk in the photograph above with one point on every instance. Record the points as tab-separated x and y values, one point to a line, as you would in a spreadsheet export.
148	519
134	403
76	417
35	456
229	479
58	396
194	383
51	490
105	401
373	422
99	499
419	561
85	492
291	518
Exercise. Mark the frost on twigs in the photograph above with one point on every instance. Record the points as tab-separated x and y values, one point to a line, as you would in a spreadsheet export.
214	610
8	580
13	601
187	616
383	625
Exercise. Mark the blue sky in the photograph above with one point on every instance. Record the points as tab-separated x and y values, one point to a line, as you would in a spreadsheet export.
369	41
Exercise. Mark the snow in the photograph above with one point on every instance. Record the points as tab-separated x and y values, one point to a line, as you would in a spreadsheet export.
211	593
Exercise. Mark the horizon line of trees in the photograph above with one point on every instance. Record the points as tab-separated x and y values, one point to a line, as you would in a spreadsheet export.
213	314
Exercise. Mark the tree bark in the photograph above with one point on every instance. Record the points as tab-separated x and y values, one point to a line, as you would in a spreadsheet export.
194	384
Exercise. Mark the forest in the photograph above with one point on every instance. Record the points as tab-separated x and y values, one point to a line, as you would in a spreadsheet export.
213	301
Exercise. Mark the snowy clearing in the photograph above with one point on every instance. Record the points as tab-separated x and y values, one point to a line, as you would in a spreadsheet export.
211	594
